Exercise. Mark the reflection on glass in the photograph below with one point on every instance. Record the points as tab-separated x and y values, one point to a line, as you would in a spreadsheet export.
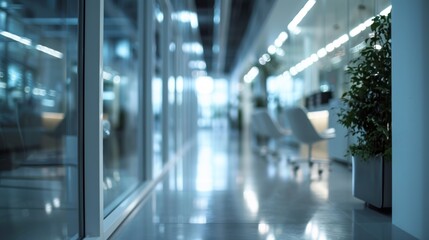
199	219
157	85
120	102
38	120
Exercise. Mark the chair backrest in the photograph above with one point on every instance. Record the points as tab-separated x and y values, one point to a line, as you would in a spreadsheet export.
265	125
256	124
301	126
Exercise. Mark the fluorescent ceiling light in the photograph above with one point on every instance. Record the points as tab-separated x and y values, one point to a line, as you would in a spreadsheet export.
280	39
340	41
334	44
360	28
322	53
193	47
15	37
197	65
330	47
368	22
293	71
280	52
49	51
251	75
386	10
266	57
293	25
314	57
286	74
272	49
28	42
187	17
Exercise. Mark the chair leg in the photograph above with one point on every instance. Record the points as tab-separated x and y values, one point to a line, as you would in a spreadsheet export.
310	162
320	170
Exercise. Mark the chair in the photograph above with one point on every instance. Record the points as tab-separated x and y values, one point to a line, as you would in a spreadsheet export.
304	131
265	127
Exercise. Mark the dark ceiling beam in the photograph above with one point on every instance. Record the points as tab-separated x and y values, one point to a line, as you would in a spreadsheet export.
205	20
223	11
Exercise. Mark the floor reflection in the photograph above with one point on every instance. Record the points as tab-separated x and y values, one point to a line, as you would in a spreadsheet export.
222	189
39	195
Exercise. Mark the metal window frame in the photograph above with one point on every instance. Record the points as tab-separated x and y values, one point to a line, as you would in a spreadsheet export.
148	70
90	138
165	36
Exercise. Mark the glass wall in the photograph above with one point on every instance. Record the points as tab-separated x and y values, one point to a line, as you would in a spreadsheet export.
173	69
48	168
39	119
306	64
157	84
122	167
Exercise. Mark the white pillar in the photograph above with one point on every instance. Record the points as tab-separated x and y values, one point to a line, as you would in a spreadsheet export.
410	116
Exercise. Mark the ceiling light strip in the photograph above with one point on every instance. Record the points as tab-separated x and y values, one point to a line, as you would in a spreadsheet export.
293	25
15	37
321	53
49	51
28	42
251	75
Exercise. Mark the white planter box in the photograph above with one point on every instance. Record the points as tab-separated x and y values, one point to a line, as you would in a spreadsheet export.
372	181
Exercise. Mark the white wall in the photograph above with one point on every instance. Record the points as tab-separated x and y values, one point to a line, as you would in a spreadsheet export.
410	116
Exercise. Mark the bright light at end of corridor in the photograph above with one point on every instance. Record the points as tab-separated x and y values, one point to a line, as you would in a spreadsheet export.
204	85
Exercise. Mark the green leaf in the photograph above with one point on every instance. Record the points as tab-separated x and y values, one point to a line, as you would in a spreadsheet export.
367	111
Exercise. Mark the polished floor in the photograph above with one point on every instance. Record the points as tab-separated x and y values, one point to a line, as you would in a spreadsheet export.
223	189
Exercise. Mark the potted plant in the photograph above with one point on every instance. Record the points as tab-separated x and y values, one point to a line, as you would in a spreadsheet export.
367	115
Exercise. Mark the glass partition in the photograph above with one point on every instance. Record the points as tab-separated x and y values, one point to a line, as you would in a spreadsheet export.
38	119
157	85
172	75
122	166
312	60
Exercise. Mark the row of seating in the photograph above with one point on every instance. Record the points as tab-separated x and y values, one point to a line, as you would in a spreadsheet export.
265	127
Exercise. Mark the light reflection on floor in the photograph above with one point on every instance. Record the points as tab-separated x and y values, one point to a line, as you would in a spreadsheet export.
225	190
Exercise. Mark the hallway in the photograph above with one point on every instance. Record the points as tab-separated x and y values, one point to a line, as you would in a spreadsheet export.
223	190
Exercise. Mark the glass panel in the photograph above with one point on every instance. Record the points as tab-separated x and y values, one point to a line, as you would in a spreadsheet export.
38	119
157	89
172	65
122	170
